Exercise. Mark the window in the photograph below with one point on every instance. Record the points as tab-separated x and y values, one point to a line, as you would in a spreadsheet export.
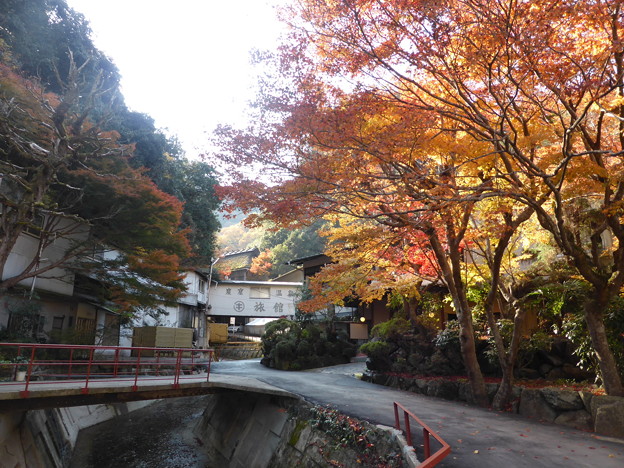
57	322
202	286
260	293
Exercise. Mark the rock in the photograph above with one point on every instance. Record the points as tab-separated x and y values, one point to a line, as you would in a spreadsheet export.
533	405
562	400
573	372
544	369
601	400
579	419
380	379
550	358
491	389
464	392
556	373
587	398
443	389
422	385
608	415
527	373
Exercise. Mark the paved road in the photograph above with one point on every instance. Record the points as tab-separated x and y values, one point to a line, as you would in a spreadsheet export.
479	438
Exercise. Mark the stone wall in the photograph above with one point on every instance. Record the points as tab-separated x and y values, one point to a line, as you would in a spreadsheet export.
242	430
578	409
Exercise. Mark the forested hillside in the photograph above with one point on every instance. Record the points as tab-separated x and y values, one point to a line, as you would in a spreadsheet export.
77	163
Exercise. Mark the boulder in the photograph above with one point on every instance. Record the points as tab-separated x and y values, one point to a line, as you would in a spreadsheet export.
550	358
544	369
556	373
443	389
464	392
587	398
491	389
562	400
579	419
533	405
608	415
576	373
527	373
422	385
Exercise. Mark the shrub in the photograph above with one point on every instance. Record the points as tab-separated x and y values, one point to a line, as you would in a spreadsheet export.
449	337
379	354
291	345
392	328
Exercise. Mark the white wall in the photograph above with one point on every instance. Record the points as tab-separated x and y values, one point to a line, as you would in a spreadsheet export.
57	280
248	298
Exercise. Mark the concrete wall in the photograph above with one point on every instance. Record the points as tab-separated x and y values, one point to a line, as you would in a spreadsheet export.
237	430
46	438
243	430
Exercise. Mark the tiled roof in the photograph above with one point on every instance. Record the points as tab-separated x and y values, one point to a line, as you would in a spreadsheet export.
240	260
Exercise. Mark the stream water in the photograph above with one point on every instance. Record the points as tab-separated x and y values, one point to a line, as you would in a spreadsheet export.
157	436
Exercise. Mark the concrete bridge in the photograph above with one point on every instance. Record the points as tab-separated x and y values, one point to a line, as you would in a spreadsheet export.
74	375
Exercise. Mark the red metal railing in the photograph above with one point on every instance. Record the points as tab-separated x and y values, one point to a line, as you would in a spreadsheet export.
57	363
430	460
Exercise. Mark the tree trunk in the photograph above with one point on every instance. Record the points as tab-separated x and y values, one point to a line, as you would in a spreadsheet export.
611	379
469	354
507	361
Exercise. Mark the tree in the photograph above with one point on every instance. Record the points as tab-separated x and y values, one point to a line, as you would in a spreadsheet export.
59	167
538	83
528	95
41	38
286	245
367	158
39	34
542	82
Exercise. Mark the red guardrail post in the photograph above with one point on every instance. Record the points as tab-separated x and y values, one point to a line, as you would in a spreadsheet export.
85	389
426	444
135	387
208	367
71	362
397	422
157	363
429	459
408	430
116	363
24	393
176	378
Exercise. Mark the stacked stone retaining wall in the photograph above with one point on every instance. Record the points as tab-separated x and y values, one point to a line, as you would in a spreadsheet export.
578	409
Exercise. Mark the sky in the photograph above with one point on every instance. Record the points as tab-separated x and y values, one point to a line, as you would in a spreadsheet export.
184	63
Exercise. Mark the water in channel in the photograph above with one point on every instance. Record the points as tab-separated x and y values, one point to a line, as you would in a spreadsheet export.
157	436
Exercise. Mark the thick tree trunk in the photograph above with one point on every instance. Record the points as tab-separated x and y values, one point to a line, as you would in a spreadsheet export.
469	354
508	362
595	325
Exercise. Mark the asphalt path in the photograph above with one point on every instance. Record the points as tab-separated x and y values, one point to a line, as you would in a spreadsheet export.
478	437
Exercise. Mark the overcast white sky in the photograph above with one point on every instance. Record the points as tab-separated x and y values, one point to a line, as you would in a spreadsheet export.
185	63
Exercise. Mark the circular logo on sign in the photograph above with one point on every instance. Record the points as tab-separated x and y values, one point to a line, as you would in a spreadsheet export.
239	306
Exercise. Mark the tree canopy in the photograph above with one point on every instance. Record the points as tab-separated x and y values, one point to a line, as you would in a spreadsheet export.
96	172
446	123
40	38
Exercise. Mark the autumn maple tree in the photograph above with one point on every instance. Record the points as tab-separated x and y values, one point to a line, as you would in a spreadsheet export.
420	191
416	114
65	179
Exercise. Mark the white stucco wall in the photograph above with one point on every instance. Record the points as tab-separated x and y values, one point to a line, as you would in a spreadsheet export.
254	298
57	280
